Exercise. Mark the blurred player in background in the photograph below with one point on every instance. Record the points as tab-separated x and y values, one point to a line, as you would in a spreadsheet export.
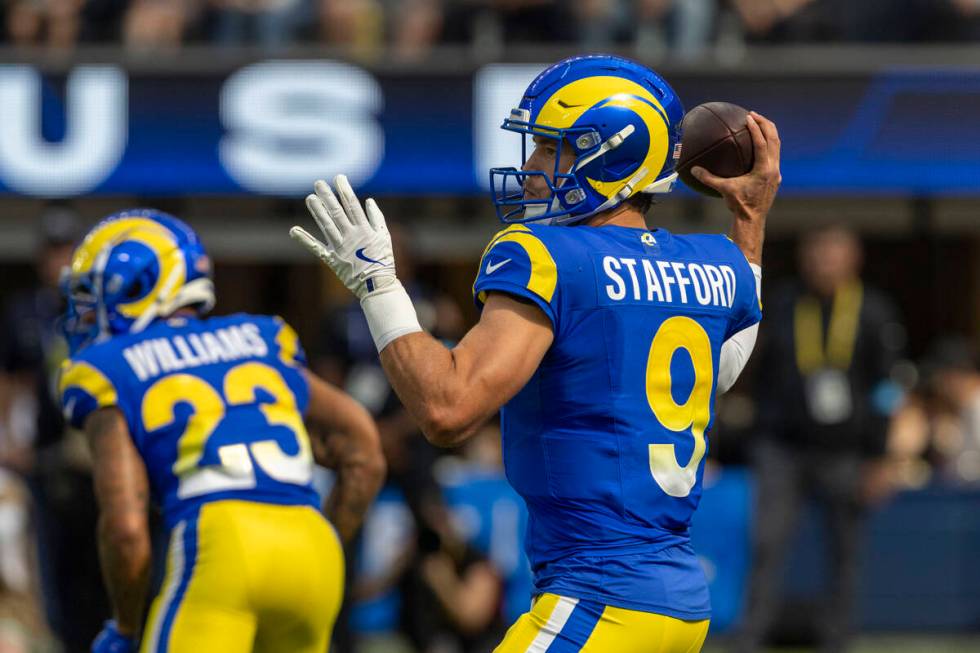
206	416
603	343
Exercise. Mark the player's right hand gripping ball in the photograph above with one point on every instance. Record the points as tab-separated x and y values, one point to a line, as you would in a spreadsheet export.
358	245
717	139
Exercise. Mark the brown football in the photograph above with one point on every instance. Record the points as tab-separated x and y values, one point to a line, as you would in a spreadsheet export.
717	139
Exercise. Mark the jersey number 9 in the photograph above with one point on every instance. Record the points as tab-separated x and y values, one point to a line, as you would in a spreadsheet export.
695	413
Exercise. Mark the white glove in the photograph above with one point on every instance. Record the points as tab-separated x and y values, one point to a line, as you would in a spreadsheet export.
358	245
358	250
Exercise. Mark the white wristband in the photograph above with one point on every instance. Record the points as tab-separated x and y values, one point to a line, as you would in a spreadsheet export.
390	314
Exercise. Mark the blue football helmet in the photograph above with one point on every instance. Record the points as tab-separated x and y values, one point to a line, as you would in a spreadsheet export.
623	122
134	267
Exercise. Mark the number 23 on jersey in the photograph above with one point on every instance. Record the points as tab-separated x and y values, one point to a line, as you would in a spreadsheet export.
236	470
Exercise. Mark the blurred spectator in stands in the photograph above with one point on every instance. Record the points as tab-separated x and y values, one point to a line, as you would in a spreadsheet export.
681	27
535	21
428	571
489	25
357	25
951	371
829	349
22	626
966	20
452	576
151	25
917	21
760	17
271	24
31	350
415	26
52	23
489	513
935	434
898	21
602	23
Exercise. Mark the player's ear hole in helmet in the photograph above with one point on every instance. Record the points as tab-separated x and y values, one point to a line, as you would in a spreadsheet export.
623	123
131	269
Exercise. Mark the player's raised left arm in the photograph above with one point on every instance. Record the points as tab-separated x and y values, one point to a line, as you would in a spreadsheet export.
122	492
448	392
750	197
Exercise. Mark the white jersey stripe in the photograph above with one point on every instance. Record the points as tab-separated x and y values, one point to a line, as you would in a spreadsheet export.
175	571
559	617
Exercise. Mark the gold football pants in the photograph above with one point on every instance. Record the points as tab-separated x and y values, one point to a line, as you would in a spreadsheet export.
244	577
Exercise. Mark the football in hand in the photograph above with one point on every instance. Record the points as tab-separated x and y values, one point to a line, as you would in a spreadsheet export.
717	139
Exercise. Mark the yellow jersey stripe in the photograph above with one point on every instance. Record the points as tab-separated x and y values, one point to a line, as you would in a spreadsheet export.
500	234
508	234
544	272
86	377
288	343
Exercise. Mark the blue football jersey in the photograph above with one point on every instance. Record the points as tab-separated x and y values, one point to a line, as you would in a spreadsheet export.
214	406
606	442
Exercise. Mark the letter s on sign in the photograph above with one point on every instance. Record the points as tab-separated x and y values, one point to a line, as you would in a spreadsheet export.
292	122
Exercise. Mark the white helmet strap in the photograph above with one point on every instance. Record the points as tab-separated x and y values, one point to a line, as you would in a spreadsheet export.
611	143
160	303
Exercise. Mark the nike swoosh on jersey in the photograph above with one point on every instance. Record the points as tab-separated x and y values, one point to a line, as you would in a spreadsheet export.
360	254
491	268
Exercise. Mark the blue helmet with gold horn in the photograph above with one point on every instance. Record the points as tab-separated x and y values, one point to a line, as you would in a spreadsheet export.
134	267
623	123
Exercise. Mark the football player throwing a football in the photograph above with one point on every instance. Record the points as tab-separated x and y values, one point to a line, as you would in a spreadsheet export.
602	343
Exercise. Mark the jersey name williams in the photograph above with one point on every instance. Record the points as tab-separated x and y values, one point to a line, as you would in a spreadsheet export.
639	279
158	356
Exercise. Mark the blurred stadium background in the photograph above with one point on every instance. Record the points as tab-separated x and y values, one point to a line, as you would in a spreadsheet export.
224	112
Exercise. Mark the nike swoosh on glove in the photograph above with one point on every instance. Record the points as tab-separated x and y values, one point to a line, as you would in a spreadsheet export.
356	245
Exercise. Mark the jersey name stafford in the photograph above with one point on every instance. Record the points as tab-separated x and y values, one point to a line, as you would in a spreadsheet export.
158	356
630	279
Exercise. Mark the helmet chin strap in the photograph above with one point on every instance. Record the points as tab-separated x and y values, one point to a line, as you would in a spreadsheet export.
617	198
531	212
